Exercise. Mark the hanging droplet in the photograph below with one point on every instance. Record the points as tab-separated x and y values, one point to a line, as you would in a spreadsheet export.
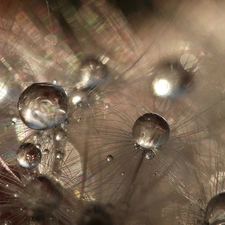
109	158
151	131
29	155
171	80
59	155
92	73
41	195
60	135
215	210
79	99
150	155
43	106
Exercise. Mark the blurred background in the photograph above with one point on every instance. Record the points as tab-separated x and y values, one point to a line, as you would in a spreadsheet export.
161	56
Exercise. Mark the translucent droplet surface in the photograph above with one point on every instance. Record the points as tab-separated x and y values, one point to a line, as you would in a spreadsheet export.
151	131
109	158
28	155
149	155
171	80
59	155
43	106
215	210
41	195
60	135
92	73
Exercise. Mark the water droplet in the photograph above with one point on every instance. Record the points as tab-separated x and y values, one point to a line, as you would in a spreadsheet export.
107	106
149	155
59	155
109	158
171	79
60	135
46	151
122	173
14	120
51	39
54	81
38	146
28	155
92	74
43	106
79	99
151	131
215	208
42	195
16	195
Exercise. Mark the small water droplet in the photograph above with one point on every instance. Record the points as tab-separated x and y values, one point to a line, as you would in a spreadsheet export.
16	195
59	155
38	146
92	73
109	158
60	135
107	106
14	120
46	151
54	81
43	106
151	131
51	39
29	155
122	173
150	155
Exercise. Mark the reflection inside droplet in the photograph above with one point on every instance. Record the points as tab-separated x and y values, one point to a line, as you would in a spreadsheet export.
215	211
43	106
29	155
109	158
92	73
172	79
151	131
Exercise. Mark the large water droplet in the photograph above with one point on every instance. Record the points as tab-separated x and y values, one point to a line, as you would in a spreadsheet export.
29	155
215	210
171	80
41	195
151	130
43	106
92	74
